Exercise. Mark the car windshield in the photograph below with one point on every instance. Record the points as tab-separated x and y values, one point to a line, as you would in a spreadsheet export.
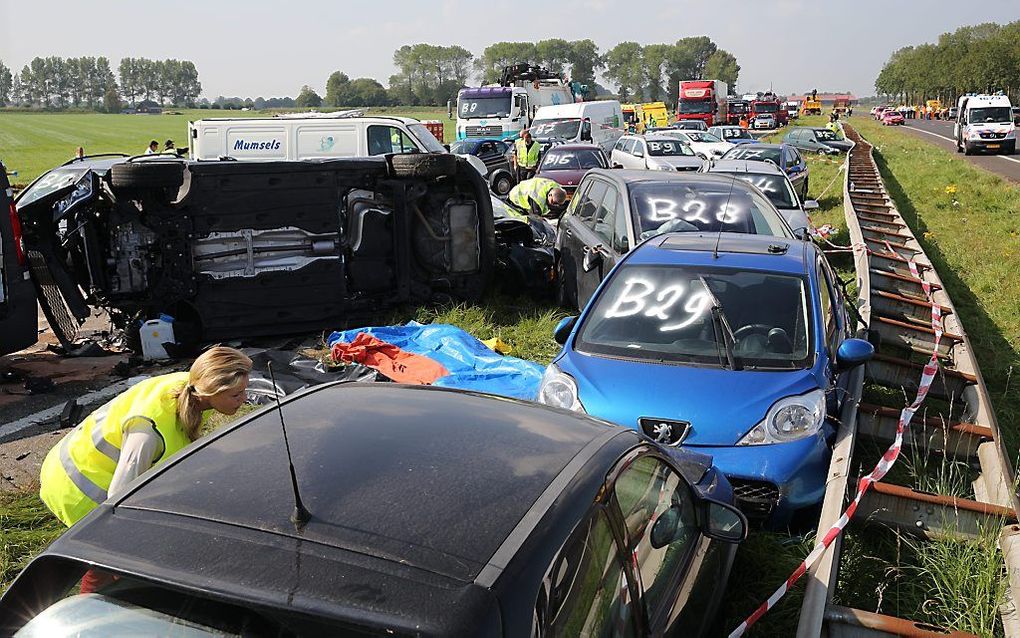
427	139
766	107
736	134
462	147
560	128
776	188
738	107
701	136
990	114
826	135
664	314
572	160
668	148
51	182
481	107
99	616
755	152
689	125
703	205
701	106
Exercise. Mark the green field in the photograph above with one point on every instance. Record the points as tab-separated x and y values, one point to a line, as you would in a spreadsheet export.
32	143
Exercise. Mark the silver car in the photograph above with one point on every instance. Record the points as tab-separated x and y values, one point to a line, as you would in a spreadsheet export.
654	152
774	184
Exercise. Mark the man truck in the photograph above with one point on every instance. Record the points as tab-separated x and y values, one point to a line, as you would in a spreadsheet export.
500	111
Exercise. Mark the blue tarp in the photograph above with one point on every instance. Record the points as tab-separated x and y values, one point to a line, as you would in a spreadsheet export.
471	364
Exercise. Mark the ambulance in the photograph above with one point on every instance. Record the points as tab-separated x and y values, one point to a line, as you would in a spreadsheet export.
985	123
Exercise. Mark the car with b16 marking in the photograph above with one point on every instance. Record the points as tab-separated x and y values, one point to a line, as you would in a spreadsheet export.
426	512
733	345
566	164
615	210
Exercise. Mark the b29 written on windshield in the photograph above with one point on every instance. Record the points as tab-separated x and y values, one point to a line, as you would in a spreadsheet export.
676	304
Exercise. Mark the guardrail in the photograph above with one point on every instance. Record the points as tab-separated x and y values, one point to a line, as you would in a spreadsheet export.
897	289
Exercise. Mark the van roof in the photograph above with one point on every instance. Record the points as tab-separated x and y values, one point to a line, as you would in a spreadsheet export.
277	120
574	108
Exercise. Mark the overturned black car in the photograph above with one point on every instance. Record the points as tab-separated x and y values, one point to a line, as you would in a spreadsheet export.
237	249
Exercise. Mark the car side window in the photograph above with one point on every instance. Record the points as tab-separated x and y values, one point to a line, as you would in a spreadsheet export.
639	149
588	208
661	524
791	159
389	139
605	217
796	156
621	235
621	145
828	308
588	593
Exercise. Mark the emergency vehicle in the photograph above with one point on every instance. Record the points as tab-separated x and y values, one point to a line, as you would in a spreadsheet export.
985	123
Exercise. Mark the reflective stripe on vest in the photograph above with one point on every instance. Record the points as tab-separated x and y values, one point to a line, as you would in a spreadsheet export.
82	482
537	189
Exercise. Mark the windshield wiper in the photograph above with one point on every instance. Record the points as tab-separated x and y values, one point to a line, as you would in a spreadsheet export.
719	316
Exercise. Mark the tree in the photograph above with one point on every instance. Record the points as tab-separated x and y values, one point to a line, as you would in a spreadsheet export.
625	67
6	84
308	98
656	69
584	61
722	65
429	74
111	101
501	54
337	89
553	54
366	92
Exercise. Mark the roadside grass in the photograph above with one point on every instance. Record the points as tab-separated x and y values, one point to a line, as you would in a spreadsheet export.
32	143
26	528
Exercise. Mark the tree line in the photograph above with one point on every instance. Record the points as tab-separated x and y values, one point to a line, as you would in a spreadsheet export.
980	58
89	83
430	74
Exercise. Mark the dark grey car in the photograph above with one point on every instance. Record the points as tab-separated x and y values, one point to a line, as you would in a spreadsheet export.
615	210
816	140
18	316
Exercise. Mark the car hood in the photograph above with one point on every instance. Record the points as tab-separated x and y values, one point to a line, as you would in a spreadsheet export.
564	178
677	161
842	145
721	405
740	140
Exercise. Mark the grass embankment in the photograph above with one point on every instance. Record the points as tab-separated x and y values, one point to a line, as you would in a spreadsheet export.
32	143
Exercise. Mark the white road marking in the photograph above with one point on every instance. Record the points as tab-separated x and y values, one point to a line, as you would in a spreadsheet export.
52	413
949	139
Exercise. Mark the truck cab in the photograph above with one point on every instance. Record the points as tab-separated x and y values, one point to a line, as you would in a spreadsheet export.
984	123
501	111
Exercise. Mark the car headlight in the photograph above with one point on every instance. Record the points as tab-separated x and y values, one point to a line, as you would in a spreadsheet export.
559	390
789	419
82	191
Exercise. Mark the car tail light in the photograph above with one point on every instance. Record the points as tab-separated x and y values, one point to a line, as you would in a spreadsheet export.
19	241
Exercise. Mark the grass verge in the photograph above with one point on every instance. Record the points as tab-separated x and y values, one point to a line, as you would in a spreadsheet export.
26	528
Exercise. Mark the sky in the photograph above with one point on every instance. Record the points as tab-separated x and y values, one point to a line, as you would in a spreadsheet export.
257	48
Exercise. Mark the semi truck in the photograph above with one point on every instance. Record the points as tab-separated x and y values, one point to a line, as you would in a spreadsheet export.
500	111
736	109
703	100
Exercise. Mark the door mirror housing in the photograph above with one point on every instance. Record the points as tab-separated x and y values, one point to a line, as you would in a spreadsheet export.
592	258
852	353
563	329
723	522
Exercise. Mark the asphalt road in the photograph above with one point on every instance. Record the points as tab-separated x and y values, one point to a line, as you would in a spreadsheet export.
940	133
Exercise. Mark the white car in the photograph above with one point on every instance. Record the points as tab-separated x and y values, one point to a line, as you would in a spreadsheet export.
704	145
655	152
765	121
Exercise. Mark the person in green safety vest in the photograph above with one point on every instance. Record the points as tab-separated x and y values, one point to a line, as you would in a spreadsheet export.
537	196
525	158
138	429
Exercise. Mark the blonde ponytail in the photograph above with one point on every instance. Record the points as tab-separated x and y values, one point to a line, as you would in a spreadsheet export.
217	369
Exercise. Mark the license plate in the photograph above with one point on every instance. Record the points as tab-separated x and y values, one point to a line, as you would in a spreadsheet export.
993	145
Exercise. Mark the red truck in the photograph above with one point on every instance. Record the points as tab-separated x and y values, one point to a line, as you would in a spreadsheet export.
703	100
771	104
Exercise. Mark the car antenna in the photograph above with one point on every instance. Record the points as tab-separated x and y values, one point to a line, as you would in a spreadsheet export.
300	515
725	208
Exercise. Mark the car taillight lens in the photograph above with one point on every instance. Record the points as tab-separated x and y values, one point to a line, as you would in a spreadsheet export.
19	242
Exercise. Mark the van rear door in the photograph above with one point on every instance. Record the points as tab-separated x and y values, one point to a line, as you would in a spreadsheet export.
18	315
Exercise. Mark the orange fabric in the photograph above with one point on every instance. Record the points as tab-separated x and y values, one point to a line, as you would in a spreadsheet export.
396	364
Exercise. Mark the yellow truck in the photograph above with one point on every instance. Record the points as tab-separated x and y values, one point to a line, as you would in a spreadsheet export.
811	107
934	105
640	116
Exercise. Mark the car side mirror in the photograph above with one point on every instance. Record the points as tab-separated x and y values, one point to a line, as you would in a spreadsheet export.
723	522
811	204
592	258
802	233
562	330
665	526
852	353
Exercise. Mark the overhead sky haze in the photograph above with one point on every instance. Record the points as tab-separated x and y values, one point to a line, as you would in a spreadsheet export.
258	48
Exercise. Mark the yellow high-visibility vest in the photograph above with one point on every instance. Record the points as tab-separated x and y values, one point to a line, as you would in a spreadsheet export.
77	472
527	157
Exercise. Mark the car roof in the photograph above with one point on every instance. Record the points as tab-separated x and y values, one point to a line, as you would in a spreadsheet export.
624	176
658	137
745	166
426	477
574	147
735	250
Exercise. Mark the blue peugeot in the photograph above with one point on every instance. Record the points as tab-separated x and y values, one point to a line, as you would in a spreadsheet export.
729	344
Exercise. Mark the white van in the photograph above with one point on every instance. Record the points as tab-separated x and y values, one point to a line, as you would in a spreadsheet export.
311	136
984	122
599	122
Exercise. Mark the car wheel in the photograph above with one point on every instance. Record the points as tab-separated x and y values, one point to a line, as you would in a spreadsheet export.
422	165
823	152
147	175
502	185
967	149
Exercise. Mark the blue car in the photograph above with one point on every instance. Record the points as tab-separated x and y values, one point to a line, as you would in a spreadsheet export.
733	345
785	156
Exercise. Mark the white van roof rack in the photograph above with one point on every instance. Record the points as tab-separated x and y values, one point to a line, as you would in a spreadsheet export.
335	115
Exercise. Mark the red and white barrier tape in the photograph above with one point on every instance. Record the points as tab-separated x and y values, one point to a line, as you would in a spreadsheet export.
865	483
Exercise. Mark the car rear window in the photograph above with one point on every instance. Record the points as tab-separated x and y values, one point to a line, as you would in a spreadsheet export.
755	153
776	188
569	160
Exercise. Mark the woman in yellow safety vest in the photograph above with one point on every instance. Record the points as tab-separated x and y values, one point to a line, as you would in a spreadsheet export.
137	429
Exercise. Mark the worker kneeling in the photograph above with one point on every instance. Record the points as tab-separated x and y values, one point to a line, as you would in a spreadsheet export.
538	196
